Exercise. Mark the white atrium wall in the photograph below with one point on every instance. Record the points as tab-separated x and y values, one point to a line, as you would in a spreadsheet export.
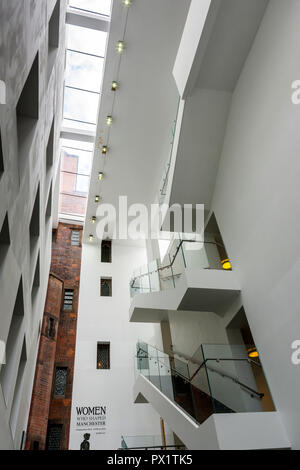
25	260
191	329
256	200
106	319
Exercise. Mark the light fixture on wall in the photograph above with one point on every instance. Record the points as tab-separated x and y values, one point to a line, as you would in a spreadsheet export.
97	198
226	265
109	120
104	149
114	86
91	238
94	219
252	352
127	3
120	46
100	176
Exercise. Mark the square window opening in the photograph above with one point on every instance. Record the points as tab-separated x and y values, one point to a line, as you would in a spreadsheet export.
4	241
103	355
34	228
13	340
51	328
106	287
53	37
68	300
1	157
48	212
35	285
75	238
60	381
54	436
17	397
49	152
28	115
106	246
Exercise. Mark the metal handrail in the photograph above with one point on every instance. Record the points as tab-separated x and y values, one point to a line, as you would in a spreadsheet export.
169	266
217	359
246	387
171	368
189	380
162	447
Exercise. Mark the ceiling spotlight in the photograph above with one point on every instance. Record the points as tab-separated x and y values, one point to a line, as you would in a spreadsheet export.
94	219
104	150
127	3
109	120
114	85
120	46
91	238
100	176
97	199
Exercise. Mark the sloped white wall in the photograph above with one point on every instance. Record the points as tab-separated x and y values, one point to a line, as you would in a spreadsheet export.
256	200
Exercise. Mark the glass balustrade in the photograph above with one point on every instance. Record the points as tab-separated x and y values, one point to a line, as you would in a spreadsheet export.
217	379
149	442
182	254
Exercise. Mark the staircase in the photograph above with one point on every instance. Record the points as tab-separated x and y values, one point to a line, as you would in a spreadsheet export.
207	405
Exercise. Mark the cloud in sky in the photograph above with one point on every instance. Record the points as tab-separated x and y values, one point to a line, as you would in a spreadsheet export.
85	72
86	40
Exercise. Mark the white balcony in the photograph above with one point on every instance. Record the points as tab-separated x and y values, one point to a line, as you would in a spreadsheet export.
197	290
187	279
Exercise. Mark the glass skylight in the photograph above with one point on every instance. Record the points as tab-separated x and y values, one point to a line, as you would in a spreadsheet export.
86	40
80	105
84	71
101	7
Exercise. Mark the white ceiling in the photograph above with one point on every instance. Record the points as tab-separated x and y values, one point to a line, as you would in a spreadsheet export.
144	106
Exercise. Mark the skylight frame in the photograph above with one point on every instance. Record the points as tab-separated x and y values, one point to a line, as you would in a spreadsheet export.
78	5
79	122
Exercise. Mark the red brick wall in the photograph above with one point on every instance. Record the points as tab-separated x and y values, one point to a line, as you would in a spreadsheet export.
65	264
41	394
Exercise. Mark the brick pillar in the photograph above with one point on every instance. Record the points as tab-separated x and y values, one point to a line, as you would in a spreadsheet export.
41	394
45	407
